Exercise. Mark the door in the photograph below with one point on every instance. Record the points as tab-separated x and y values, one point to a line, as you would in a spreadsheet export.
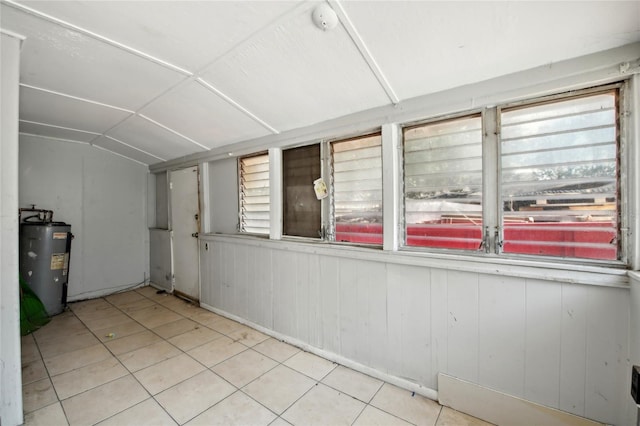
185	225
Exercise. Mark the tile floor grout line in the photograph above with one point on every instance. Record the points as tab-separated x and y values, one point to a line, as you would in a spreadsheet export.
177	384
335	365
151	396
176	310
129	372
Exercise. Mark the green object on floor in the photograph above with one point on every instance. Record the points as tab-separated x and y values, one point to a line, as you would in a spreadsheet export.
33	315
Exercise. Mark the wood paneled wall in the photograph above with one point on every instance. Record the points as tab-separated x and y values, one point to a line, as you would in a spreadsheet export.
561	344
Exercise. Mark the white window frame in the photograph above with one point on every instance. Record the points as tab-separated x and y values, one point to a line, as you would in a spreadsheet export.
622	191
240	195
492	209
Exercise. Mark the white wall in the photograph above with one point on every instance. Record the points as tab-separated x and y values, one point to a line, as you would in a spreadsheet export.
104	198
223	200
560	344
10	368
553	333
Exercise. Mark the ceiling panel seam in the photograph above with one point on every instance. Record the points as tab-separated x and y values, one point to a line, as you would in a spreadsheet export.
95	145
172	131
53	92
54	138
97	36
277	21
60	127
364	50
133	147
238	106
190	75
120	155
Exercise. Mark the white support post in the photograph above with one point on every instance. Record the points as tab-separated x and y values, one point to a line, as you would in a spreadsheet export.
275	193
10	364
205	201
490	181
391	189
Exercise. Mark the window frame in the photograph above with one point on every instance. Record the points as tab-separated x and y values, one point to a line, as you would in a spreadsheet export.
392	139
492	211
402	222
621	181
240	193
330	222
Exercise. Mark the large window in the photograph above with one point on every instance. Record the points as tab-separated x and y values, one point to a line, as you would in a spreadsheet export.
559	178
254	194
301	208
443	184
539	177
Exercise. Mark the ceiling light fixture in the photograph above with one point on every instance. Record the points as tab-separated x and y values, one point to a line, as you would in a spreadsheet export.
324	17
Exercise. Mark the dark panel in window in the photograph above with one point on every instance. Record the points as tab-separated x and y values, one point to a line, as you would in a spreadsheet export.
302	210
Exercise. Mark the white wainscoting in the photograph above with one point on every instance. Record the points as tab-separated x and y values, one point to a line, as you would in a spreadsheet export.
560	344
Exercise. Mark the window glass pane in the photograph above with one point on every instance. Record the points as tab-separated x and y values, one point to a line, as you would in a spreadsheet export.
443	184
302	213
559	186
254	194
357	189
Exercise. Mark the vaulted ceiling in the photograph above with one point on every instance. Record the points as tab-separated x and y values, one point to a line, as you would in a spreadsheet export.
155	81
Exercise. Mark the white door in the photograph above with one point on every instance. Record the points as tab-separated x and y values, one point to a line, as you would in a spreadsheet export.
185	225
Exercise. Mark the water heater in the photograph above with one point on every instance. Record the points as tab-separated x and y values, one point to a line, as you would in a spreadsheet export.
45	247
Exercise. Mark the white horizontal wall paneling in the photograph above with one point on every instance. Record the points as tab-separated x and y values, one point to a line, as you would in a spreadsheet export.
439	323
315	314
363	319
228	278
241	279
462	324
259	297
285	272
206	271
573	349
543	342
607	354
330	303
304	308
563	345
501	336
408	318
373	284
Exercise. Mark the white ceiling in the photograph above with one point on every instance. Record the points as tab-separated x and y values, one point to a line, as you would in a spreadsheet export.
155	81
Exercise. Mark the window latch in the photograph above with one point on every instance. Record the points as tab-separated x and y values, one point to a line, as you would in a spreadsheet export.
498	241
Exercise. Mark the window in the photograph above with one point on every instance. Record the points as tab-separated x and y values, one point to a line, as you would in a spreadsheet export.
357	189
302	210
544	178
443	184
559	169
254	194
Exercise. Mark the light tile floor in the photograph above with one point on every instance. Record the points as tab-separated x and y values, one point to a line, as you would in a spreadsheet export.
139	357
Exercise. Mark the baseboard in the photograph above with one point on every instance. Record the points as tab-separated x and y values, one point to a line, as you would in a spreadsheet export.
500	408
